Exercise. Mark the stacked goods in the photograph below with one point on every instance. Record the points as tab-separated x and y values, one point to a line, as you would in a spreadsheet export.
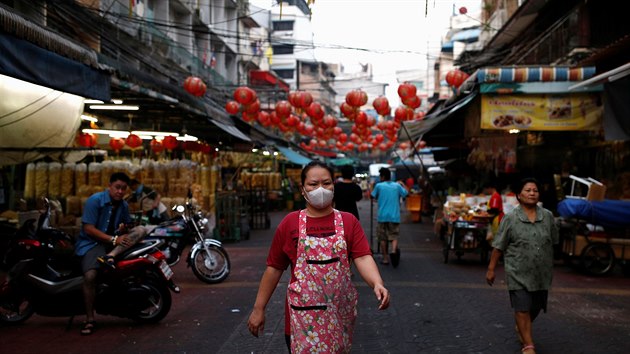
275	181
204	180
29	184
80	177
107	169
54	180
67	179
94	174
41	179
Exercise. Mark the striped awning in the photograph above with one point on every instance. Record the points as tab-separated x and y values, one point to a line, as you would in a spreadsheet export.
534	74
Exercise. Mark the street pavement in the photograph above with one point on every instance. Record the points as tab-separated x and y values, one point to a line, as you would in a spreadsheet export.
435	308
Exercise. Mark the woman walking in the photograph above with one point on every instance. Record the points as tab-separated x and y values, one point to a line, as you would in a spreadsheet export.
525	240
318	243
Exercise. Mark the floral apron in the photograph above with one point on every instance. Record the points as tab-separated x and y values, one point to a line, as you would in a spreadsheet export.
322	300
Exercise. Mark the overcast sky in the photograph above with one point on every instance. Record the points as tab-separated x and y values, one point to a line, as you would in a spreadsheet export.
394	34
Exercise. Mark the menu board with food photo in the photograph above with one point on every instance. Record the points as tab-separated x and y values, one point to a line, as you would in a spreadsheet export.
582	111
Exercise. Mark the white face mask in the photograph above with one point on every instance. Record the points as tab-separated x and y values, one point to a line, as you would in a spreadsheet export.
320	198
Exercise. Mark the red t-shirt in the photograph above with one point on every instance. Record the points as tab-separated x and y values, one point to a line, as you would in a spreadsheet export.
283	251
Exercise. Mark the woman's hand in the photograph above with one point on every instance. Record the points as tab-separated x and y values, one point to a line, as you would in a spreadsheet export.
256	322
382	295
490	277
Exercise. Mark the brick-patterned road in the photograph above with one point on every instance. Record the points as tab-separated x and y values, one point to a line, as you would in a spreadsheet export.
436	308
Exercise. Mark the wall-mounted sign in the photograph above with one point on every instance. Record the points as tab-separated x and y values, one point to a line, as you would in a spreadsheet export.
581	111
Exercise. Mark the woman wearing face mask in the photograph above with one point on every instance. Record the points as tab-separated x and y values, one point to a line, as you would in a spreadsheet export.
318	242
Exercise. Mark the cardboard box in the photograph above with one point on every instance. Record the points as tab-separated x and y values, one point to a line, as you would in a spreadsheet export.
596	190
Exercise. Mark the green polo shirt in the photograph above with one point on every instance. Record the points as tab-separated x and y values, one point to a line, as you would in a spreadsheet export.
527	249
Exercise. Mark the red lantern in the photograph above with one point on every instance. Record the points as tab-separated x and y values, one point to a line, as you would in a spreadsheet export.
292	98
382	146
347	110
195	86
403	146
350	146
456	78
343	137
381	105
116	144
283	109
463	10
361	118
422	144
315	110
412	102
86	140
302	99
244	95
249	117
403	113
253	107
356	98
263	118
170	142
419	115
133	141
406	90
156	146
232	107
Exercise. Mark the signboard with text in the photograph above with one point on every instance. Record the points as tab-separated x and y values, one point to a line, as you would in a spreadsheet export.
581	111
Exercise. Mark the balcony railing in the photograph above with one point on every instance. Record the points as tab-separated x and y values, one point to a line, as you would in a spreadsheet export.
172	50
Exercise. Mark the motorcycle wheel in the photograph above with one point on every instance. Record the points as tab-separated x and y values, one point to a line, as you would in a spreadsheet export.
159	304
15	311
208	270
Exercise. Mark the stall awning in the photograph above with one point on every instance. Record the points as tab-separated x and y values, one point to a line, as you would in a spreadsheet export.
231	129
608	76
261	77
467	35
532	80
415	129
25	61
293	156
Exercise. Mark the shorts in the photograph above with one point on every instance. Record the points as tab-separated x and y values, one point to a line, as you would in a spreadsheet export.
388	231
529	301
89	260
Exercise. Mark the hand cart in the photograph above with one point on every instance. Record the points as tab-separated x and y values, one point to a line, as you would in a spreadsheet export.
466	237
595	234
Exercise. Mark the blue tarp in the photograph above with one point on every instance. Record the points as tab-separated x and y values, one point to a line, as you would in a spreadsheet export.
606	213
293	156
25	61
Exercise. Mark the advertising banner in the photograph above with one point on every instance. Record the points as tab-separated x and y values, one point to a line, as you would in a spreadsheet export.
542	112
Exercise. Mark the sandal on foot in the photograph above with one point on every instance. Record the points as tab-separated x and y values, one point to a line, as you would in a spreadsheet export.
88	328
529	349
107	261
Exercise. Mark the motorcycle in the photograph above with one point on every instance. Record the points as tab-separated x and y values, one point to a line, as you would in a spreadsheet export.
45	278
208	259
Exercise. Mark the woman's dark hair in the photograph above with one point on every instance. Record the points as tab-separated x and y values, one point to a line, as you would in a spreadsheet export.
347	171
521	184
315	163
119	176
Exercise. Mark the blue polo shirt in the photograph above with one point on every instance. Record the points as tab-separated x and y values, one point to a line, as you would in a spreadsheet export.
388	194
97	211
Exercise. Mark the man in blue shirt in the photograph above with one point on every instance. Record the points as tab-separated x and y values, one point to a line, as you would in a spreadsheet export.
388	195
103	215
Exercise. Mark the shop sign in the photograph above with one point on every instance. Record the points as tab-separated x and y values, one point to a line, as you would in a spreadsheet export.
581	111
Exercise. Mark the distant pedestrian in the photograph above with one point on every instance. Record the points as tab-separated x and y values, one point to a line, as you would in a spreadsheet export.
525	239
347	193
318	243
388	194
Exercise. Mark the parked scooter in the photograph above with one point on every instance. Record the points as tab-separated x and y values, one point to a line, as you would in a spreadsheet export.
45	278
208	259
